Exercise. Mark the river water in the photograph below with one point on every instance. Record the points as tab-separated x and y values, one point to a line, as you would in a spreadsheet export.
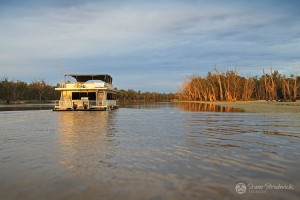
151	151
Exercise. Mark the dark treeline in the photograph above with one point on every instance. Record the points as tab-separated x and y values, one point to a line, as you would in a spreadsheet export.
137	96
230	86
11	91
18	90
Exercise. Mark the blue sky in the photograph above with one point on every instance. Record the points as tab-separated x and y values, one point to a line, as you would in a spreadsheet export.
146	45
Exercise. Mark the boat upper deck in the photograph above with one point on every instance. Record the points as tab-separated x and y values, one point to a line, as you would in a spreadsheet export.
82	83
87	77
85	86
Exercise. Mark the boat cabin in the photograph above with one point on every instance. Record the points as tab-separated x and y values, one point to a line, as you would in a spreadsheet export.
89	92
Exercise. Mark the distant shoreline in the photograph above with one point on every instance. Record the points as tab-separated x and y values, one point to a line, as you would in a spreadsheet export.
258	106
27	102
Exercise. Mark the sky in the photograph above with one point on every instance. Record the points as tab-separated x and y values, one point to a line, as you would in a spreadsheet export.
146	45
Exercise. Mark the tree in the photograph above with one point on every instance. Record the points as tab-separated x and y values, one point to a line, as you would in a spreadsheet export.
248	88
270	84
218	75
230	86
296	85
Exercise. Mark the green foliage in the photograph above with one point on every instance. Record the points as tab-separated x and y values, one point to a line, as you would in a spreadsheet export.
18	90
39	90
136	96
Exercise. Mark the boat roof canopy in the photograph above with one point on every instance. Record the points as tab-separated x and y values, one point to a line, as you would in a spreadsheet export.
86	77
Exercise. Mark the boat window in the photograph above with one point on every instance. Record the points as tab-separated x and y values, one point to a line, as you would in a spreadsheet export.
111	96
78	95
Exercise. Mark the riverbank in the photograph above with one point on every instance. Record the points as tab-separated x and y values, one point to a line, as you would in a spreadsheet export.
260	106
26	102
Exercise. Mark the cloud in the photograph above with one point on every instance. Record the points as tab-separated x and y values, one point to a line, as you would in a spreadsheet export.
166	39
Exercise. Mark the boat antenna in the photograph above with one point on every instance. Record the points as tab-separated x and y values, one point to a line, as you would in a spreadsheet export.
63	78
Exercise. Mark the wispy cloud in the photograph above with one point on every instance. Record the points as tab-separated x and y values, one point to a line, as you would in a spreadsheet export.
165	40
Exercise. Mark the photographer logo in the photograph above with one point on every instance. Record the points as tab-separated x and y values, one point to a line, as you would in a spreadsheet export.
240	188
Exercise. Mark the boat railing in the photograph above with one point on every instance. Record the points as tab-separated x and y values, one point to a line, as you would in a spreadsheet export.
93	103
74	104
62	85
86	85
111	102
64	103
70	103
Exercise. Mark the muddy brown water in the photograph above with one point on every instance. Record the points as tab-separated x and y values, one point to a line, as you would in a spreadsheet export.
149	151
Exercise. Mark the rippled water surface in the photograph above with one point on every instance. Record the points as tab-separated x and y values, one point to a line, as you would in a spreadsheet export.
154	151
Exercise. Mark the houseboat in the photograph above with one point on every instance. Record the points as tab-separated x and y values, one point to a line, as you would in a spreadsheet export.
90	92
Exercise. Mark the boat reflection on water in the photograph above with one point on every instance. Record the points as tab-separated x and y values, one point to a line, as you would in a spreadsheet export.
206	107
86	138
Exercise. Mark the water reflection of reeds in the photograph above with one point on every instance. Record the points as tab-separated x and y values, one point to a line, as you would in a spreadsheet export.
147	105
206	107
